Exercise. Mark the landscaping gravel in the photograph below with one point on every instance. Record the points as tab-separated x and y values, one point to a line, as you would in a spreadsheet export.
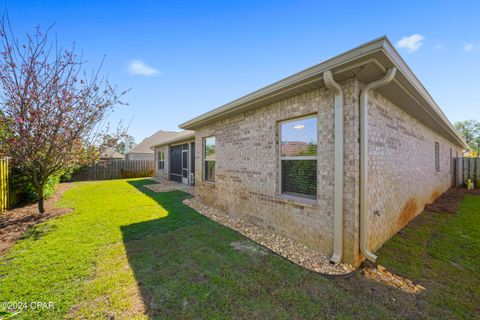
167	186
287	248
380	274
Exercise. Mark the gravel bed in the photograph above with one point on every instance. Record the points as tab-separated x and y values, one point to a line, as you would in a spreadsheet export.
287	248
167	186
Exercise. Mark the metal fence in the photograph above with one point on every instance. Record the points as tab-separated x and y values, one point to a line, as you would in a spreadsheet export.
116	169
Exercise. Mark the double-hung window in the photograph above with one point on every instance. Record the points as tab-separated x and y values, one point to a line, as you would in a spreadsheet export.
209	159
298	157
161	160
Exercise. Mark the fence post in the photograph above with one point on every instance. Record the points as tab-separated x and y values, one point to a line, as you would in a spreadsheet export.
4	185
459	172
477	173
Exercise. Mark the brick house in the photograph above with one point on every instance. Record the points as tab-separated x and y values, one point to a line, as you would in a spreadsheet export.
339	156
175	157
144	151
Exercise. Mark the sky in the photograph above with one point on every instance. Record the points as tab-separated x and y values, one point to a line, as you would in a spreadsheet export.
183	58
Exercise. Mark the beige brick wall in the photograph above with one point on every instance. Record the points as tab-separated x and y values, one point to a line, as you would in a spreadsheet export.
162	174
402	170
247	168
402	175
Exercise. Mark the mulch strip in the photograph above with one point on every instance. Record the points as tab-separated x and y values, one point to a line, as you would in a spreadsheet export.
448	202
14	223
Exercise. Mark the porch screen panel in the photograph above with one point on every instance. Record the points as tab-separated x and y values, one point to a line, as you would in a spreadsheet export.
192	156
176	163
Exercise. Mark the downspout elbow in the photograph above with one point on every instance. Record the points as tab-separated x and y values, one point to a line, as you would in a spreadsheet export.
338	171
390	74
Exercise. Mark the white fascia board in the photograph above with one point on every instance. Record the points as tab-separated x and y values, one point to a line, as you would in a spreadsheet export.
316	70
339	63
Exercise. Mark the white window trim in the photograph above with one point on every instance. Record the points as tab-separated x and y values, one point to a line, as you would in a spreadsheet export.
161	160
291	195
204	141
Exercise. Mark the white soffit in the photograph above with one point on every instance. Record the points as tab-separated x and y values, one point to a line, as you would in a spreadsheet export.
367	63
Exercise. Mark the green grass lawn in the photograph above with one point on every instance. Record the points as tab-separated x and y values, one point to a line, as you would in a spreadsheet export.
128	253
441	251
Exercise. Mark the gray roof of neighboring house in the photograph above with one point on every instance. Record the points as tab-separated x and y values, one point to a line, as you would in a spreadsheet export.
179	137
111	153
366	63
146	145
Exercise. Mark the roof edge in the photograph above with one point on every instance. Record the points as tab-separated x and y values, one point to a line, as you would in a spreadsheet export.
318	69
382	44
397	59
185	137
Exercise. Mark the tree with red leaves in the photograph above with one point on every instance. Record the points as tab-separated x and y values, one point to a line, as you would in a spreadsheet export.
53	114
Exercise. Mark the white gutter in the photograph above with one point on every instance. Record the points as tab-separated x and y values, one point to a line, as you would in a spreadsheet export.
338	191
364	160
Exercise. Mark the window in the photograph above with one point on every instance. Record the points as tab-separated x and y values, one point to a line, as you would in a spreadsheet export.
209	159
451	161
437	157
298	157
161	160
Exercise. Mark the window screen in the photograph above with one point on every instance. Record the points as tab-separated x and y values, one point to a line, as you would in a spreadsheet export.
437	157
209	159
298	157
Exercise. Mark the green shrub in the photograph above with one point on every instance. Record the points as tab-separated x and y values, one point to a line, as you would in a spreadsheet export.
22	183
71	172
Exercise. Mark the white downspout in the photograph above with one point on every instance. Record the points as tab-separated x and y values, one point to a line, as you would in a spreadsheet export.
338	171
364	160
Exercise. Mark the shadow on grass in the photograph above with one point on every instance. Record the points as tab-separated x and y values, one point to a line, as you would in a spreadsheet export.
37	232
179	215
188	266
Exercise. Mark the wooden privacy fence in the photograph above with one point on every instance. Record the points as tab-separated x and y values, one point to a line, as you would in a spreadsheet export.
116	169
6	197
471	170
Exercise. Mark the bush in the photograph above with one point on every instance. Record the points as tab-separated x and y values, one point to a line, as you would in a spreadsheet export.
21	182
70	173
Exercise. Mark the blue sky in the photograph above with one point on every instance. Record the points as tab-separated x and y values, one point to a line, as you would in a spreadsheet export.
181	59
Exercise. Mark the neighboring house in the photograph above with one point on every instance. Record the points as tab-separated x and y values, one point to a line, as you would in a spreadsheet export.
175	158
366	147
111	153
143	150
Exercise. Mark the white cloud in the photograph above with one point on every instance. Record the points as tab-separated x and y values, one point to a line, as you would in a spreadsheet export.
138	67
468	47
411	43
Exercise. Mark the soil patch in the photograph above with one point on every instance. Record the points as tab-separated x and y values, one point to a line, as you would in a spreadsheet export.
14	223
249	247
448	202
